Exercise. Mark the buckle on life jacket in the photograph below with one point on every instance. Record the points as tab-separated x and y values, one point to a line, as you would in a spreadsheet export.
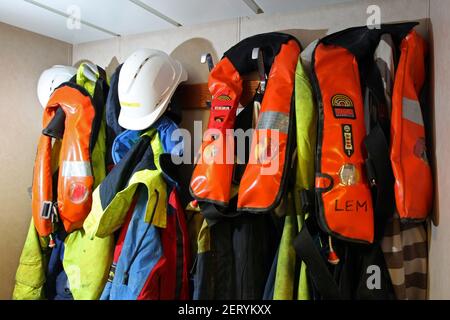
47	210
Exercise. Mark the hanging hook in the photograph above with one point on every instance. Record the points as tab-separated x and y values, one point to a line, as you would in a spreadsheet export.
206	58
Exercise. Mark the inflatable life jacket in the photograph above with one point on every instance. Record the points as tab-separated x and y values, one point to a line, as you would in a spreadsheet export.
73	118
264	178
354	179
408	152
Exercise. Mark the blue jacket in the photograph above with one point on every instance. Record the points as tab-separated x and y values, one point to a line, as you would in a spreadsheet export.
142	247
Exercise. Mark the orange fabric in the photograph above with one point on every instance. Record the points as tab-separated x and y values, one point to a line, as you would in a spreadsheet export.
42	179
413	177
259	187
212	176
346	209
74	148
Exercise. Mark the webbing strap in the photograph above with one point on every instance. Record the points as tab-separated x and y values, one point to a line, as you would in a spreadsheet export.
213	214
55	128
378	152
323	280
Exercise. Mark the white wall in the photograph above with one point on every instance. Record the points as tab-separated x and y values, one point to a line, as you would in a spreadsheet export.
186	43
440	236
23	56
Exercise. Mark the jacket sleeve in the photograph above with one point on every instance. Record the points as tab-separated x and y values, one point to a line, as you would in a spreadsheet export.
30	275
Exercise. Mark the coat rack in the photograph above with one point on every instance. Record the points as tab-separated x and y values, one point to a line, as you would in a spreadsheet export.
198	97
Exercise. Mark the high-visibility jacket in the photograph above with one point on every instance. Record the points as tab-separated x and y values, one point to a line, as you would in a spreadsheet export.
285	286
30	275
73	252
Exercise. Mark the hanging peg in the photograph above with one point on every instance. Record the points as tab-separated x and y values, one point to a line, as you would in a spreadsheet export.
257	55
90	71
207	58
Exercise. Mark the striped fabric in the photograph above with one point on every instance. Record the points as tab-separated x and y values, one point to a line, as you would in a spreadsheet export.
405	251
404	245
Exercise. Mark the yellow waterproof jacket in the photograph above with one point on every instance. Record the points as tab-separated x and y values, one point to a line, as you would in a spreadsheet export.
30	275
84	276
285	287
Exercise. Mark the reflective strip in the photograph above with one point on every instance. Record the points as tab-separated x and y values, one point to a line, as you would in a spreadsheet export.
130	104
274	120
412	111
76	169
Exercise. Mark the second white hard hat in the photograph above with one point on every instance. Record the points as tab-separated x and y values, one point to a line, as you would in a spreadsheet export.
50	79
147	81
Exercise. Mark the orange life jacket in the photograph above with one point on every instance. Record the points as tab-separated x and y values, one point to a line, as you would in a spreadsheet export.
75	179
413	177
346	178
260	187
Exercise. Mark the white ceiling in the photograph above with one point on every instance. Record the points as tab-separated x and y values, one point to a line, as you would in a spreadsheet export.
103	19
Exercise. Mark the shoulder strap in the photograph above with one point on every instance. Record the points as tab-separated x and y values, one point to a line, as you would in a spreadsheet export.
318	271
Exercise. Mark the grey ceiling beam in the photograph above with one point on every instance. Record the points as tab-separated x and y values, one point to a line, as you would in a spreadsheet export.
155	12
63	14
254	6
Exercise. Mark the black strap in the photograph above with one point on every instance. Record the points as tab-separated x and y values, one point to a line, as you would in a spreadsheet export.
378	153
318	271
308	200
102	74
55	129
378	164
214	213
98	102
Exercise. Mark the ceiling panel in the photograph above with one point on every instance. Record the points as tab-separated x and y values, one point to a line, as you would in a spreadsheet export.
190	12
108	18
278	6
119	16
29	17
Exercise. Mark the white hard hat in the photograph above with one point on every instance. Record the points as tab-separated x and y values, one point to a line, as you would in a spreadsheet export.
147	81
50	79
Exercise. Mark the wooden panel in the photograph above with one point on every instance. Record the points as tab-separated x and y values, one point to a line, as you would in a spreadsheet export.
195	96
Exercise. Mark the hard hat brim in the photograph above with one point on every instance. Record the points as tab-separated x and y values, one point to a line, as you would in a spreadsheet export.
144	122
141	123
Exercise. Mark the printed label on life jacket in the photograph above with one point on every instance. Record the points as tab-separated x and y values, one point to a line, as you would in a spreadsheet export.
347	136
343	107
222	103
224	97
